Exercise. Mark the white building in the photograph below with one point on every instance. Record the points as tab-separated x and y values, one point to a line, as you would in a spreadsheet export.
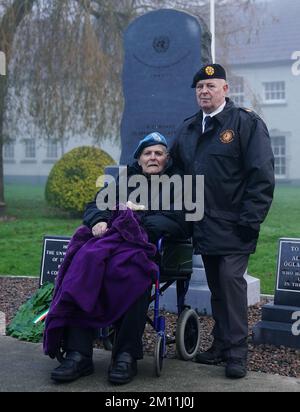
264	77
30	160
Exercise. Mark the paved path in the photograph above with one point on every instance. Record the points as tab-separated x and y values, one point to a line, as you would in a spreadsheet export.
24	368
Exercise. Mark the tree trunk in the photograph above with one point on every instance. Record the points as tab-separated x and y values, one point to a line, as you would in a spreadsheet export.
2	203
9	24
3	91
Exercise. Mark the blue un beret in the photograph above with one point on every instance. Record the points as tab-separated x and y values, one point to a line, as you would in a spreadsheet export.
150	140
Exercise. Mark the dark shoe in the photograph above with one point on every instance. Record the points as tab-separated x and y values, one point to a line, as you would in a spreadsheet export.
123	369
236	368
73	366
213	356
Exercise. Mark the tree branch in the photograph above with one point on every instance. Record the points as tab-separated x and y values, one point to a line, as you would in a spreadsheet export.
10	22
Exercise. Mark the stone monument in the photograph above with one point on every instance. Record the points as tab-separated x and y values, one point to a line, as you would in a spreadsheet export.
199	296
163	50
279	320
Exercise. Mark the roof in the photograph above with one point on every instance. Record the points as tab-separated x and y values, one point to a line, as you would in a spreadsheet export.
277	37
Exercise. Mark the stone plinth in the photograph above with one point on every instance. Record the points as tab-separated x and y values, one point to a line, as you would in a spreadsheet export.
199	296
2	324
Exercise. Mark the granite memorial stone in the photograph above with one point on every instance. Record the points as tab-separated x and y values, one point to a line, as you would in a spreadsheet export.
163	50
276	327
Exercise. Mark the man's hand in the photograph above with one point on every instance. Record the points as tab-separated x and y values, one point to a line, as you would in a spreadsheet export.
247	234
99	229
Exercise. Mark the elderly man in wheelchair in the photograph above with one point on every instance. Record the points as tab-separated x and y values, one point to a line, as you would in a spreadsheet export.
132	249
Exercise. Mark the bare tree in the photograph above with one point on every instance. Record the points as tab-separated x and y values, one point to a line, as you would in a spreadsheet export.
13	12
66	68
65	62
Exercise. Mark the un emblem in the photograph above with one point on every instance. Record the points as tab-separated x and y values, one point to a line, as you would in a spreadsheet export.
161	44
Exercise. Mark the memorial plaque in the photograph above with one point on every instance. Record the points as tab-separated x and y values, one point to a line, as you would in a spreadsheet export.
288	273
276	326
54	251
163	51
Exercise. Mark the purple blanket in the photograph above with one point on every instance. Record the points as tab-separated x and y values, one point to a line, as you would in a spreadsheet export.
100	278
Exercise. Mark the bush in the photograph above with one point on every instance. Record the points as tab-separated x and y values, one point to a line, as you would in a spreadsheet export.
72	181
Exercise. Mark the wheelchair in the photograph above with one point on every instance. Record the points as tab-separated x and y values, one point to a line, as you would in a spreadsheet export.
175	265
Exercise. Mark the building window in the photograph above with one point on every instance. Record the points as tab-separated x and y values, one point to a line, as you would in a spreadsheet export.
237	92
9	151
279	150
30	149
52	149
274	92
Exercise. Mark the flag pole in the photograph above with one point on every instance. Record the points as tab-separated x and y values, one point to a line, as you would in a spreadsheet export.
213	30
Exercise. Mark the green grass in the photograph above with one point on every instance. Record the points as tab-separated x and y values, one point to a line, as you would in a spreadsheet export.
21	240
283	221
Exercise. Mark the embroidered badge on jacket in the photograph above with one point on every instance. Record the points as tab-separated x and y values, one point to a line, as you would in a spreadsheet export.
227	136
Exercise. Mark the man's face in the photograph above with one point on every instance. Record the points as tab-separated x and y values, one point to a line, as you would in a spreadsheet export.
153	159
211	94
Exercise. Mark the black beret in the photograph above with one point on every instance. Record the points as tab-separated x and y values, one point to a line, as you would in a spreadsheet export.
209	71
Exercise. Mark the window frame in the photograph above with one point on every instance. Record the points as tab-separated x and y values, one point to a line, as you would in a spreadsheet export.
280	156
28	150
274	91
238	97
9	147
51	150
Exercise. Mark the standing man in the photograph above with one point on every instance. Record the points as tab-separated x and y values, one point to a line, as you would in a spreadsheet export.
231	147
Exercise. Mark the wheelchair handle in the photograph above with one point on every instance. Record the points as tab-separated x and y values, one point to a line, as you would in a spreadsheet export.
160	245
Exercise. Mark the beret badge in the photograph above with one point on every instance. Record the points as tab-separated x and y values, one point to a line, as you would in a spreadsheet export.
209	70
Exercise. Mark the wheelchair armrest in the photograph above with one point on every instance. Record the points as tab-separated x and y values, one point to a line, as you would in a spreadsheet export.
176	256
165	240
185	241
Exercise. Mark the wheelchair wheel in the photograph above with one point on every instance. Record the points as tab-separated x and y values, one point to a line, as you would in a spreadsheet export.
109	339
158	355
187	335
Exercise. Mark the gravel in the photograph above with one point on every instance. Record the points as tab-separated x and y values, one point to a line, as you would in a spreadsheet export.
265	358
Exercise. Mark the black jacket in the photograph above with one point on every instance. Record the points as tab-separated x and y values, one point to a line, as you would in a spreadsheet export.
93	215
235	157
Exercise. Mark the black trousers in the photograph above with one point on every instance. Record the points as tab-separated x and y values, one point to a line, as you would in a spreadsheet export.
225	277
129	332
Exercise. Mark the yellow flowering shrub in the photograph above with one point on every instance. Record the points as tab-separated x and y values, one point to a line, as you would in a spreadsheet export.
72	181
